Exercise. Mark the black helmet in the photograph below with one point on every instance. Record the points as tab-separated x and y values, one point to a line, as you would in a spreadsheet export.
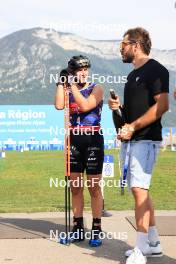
78	62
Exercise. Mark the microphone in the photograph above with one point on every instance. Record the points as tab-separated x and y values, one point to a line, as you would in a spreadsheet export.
117	114
113	96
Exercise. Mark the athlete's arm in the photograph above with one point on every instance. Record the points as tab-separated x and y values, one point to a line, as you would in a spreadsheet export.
86	104
154	113
59	97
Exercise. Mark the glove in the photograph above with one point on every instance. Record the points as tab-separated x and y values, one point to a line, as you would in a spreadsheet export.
63	77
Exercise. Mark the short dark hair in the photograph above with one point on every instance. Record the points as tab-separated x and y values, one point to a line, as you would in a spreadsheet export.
142	36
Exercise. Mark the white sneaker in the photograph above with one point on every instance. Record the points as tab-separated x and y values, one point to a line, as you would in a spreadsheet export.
136	257
154	251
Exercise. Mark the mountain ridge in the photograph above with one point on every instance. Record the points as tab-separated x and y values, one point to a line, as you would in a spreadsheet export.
30	56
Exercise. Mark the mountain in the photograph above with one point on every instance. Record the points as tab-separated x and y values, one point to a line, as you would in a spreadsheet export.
31	60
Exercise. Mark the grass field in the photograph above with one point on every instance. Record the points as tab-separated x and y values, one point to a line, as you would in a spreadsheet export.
25	183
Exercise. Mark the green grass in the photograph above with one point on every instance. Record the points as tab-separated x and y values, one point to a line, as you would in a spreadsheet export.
25	178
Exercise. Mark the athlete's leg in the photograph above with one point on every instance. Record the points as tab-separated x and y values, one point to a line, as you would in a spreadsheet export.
76	183
96	194
94	166
97	206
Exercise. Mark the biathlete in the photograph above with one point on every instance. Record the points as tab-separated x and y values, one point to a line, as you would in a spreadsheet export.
86	143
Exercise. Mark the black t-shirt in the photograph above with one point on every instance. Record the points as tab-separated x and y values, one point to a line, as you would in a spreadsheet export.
141	87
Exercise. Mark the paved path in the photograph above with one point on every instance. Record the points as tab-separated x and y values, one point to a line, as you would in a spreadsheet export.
45	251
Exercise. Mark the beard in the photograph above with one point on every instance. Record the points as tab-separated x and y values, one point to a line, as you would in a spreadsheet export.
128	57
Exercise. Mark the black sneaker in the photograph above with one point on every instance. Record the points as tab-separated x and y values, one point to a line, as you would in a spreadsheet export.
77	234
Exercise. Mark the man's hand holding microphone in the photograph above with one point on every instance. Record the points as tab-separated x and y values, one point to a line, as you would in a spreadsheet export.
124	131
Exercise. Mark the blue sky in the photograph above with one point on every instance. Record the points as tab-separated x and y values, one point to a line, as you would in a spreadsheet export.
93	19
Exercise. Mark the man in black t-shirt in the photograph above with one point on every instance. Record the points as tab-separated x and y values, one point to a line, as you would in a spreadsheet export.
141	90
145	101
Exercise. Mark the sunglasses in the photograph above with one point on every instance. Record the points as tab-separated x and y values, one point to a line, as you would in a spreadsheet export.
123	44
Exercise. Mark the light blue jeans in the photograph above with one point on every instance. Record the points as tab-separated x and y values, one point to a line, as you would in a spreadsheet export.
142	158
